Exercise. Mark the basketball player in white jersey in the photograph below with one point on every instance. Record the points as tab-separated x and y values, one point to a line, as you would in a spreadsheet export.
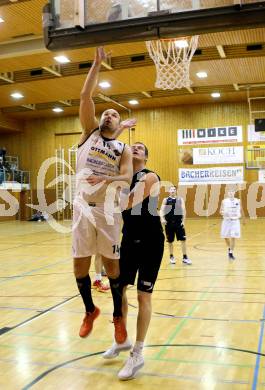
102	161
172	214
230	229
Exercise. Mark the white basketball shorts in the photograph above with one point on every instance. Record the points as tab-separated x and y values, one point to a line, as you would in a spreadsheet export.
95	231
230	228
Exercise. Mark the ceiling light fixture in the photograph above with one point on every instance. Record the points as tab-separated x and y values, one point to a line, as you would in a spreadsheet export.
104	84
215	95
57	109
202	75
181	43
133	102
17	95
1	20
62	59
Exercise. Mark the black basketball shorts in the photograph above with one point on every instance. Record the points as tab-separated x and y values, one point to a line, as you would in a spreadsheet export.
175	229
143	255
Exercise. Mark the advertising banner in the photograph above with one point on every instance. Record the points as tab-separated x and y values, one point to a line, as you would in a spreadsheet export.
212	135
220	175
219	155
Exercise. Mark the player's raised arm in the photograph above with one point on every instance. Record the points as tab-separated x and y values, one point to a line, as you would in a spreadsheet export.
87	107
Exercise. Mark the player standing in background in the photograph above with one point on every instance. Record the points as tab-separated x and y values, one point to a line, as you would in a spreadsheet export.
172	214
231	211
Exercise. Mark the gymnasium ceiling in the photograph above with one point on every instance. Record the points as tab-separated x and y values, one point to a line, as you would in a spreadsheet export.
234	61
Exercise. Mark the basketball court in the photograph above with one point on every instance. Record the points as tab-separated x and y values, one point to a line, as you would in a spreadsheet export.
207	328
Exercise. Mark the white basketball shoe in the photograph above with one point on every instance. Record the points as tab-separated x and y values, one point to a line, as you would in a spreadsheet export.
131	367
115	349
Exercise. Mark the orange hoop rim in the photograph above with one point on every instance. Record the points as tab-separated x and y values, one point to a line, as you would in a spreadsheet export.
187	37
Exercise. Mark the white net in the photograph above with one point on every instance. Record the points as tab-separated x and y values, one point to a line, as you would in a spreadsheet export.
172	59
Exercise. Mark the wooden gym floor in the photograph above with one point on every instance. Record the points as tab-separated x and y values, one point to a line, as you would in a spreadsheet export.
207	330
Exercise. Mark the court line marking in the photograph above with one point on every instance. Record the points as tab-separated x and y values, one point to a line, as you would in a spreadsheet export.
180	326
48	274
205	346
108	341
257	366
212	292
244	275
23	262
31	244
155	315
33	270
35	296
44	312
108	370
45	373
200	233
159	279
49	309
172	267
182	323
200	379
134	289
148	358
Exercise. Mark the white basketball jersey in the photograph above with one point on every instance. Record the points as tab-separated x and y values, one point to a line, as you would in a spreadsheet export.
97	156
231	208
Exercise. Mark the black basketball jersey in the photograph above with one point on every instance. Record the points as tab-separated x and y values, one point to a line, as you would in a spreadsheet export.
142	218
173	210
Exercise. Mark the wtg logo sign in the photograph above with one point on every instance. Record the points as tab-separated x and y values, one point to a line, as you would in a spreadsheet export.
210	135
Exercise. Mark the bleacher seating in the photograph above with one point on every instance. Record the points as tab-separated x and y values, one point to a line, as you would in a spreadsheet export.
11	177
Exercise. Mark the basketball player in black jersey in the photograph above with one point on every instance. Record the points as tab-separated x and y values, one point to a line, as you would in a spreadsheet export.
142	250
172	215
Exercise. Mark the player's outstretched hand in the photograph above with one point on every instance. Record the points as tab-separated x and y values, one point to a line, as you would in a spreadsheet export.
101	55
128	123
124	125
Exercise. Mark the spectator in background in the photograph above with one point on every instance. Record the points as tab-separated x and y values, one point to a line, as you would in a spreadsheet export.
37	217
3	154
8	171
2	174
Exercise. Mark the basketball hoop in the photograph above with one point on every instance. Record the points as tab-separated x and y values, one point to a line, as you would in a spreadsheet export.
172	59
